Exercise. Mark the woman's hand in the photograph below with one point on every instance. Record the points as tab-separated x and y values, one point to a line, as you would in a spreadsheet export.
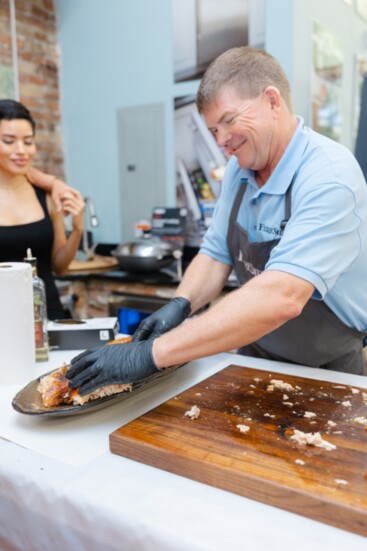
73	203
64	248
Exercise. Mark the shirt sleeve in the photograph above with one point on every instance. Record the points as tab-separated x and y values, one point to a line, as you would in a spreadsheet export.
321	239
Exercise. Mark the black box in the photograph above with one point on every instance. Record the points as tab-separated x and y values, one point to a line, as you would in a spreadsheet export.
81	334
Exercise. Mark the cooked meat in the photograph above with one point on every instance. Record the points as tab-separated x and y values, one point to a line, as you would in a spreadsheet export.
280	385
309	414
55	390
193	413
361	420
311	439
243	428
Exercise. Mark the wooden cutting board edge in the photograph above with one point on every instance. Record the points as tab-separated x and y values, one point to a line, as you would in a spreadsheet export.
317	508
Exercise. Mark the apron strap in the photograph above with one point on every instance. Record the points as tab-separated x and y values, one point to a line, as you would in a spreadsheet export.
238	201
234	211
288	205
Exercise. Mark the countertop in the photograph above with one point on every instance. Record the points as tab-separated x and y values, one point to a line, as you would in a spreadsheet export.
61	488
164	277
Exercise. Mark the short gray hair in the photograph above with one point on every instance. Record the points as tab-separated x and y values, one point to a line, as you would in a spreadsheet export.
248	70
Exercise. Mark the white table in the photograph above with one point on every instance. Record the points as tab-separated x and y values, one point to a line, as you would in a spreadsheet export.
62	490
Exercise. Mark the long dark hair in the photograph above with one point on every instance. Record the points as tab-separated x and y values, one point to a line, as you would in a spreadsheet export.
11	109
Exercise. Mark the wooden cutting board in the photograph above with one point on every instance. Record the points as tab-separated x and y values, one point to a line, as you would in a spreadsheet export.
264	463
97	263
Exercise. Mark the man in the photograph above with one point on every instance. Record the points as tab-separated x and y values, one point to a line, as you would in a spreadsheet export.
291	220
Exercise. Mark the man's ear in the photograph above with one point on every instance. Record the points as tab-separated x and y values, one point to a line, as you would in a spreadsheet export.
274	98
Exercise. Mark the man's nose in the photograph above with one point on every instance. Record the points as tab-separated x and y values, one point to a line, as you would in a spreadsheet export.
222	138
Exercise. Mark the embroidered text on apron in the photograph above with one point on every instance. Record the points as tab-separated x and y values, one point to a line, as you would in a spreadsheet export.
316	338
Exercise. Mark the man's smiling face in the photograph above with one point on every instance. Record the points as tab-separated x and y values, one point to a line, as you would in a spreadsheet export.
243	127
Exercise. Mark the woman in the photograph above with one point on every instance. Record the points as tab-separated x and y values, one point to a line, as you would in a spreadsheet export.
28	217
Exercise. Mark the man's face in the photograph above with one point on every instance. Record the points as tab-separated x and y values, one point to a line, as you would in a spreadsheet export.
244	127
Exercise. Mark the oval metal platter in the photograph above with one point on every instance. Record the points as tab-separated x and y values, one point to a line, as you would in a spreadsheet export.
28	400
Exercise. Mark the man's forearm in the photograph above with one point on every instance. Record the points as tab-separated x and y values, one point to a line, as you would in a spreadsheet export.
243	316
204	279
40	179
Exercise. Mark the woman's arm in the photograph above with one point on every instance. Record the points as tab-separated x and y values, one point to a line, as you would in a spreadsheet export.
64	249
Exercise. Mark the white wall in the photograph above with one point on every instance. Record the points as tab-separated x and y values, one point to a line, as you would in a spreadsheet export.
114	53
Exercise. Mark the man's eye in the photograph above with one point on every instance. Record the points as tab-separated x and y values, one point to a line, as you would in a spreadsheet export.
8	142
229	121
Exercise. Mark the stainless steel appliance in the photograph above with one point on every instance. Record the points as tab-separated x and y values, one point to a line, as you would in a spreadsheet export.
203	29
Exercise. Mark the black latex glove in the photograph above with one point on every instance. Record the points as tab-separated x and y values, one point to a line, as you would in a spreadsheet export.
113	364
163	320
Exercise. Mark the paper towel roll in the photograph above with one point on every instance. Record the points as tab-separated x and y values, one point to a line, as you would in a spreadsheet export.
17	344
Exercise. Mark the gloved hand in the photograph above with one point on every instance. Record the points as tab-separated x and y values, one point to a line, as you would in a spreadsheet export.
163	320
111	365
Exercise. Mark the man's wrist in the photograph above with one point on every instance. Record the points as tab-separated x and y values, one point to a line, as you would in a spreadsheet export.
157	354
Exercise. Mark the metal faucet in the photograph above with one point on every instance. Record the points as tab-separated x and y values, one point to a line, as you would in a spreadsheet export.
94	222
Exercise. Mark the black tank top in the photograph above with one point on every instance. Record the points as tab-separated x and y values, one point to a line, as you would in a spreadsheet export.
39	236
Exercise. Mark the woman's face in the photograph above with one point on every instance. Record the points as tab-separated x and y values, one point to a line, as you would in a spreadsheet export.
17	146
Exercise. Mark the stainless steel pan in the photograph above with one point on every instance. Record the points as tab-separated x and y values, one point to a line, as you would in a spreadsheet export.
146	254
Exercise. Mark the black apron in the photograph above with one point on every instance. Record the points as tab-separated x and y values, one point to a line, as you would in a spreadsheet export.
317	337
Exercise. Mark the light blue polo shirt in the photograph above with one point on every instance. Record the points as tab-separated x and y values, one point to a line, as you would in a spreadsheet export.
325	240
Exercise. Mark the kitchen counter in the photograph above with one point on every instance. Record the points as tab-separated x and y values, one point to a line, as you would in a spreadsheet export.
61	488
93	288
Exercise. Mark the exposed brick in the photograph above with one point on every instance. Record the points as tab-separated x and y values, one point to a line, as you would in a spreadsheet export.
38	63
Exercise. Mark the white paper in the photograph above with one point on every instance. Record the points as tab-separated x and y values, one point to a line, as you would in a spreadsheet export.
17	342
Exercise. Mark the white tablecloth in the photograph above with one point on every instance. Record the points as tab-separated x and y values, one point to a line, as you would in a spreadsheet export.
78	439
61	489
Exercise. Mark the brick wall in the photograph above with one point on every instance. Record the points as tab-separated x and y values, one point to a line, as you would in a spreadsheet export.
38	64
